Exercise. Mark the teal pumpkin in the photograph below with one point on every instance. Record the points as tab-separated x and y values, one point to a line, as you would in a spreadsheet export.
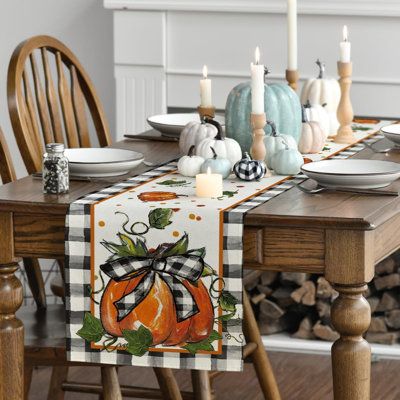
217	165
281	105
287	161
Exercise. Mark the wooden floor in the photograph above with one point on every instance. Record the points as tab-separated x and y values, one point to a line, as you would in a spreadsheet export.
300	377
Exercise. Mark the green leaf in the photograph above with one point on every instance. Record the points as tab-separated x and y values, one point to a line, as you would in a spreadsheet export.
227	301
141	248
214	335
92	329
193	348
121	250
208	270
201	252
180	247
139	341
173	182
159	218
128	242
227	317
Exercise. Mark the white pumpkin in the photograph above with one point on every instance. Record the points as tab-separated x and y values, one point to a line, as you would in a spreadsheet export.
190	165
312	139
223	146
193	133
276	142
322	90
318	113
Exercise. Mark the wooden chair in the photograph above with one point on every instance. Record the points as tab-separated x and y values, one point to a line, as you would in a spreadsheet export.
43	117
32	266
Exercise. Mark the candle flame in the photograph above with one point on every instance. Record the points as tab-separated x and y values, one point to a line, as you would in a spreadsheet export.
257	55
205	71
208	171
345	33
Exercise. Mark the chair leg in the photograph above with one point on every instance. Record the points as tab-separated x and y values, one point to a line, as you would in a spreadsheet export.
28	371
201	385
109	380
58	377
168	385
261	362
35	281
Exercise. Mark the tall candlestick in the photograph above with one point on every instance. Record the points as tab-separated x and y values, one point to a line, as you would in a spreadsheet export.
257	85
345	113
205	89
345	47
292	34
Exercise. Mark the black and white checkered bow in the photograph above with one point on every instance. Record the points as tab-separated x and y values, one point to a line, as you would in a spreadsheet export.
170	269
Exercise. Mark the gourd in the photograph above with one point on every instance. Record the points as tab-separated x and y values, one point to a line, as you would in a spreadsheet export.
312	138
281	105
318	113
190	165
322	90
157	312
217	165
248	169
193	133
158	196
287	161
274	143
224	147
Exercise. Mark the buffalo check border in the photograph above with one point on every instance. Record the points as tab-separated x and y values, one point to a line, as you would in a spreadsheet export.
77	257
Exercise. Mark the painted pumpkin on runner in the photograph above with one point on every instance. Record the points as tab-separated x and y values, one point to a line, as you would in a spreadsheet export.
157	311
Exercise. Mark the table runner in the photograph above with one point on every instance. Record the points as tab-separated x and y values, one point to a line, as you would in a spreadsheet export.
154	274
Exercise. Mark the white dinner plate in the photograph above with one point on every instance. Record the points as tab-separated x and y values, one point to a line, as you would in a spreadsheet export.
360	174
101	162
173	124
392	132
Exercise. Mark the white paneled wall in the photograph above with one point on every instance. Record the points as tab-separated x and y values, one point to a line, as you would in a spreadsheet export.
161	46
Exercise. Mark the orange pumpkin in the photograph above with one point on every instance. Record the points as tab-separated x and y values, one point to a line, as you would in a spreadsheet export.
157	312
157	196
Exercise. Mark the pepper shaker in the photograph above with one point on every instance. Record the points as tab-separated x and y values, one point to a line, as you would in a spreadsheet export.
55	169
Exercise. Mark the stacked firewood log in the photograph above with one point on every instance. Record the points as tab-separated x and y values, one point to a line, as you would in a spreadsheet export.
300	303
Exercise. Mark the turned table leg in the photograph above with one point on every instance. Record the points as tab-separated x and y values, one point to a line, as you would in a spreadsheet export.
11	335
351	353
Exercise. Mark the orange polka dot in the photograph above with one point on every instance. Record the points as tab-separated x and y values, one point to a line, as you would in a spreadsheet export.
102	223
175	233
192	216
198	218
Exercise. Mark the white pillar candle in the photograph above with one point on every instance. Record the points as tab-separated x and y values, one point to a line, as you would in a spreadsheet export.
292	34
205	89
345	47
257	85
208	185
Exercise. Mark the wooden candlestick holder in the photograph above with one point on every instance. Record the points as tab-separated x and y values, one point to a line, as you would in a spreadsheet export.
258	151
206	112
345	113
292	76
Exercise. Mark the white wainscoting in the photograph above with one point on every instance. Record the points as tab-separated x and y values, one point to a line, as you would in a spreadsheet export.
160	47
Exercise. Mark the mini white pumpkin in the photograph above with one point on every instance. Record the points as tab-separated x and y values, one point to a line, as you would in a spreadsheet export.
190	165
193	133
312	139
287	161
223	146
274	143
318	113
322	90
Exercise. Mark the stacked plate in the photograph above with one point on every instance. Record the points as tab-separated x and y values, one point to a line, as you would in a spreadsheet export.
359	174
392	132
102	162
172	124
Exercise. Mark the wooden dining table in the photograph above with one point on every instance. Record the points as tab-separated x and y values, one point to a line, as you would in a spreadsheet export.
339	235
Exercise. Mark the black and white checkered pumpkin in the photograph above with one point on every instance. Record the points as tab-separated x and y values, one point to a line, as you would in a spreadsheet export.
248	169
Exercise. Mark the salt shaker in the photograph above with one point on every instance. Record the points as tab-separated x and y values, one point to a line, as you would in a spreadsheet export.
55	169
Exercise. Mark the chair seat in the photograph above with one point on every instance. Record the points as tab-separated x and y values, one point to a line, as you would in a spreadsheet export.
44	328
